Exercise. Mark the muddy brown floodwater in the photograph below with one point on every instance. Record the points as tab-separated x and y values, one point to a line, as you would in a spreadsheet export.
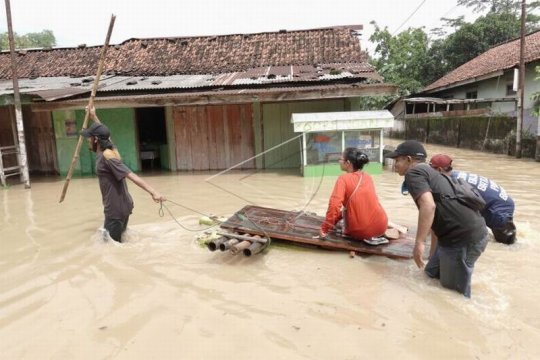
66	294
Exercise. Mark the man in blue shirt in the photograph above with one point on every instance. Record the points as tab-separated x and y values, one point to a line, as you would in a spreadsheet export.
499	210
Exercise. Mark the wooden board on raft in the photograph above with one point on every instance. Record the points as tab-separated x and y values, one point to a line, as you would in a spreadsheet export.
301	228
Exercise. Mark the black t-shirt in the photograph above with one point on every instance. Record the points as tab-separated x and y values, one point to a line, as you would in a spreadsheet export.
112	172
454	224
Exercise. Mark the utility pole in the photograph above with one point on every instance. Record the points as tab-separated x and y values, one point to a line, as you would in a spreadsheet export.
521	83
21	154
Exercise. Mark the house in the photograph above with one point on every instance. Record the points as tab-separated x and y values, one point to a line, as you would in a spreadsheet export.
188	103
475	105
490	76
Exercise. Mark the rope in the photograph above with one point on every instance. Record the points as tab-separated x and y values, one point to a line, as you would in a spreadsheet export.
162	213
251	158
242	216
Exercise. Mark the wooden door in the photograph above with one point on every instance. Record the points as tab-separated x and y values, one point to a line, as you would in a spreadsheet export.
40	142
214	137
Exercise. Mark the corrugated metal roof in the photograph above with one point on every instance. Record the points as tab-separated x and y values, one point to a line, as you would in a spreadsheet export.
245	91
202	63
255	76
53	88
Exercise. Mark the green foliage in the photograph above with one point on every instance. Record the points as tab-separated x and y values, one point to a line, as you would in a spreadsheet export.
399	59
412	60
472	39
369	103
43	39
493	6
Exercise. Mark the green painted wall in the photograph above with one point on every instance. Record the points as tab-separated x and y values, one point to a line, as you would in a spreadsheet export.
66	144
335	169
120	122
276	122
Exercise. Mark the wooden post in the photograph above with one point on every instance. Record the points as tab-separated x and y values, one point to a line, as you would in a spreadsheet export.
22	159
521	83
537	154
2	176
90	104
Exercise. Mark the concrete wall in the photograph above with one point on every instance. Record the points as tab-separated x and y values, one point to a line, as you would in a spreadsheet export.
496	88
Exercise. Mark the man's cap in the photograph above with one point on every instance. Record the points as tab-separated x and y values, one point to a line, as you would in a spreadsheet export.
98	130
440	161
408	148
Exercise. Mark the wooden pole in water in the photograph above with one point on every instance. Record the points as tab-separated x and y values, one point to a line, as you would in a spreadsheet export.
22	158
90	104
521	83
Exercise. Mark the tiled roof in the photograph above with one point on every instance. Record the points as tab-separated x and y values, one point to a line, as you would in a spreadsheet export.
501	57
200	55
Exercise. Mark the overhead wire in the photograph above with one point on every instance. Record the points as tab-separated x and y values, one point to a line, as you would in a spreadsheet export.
409	17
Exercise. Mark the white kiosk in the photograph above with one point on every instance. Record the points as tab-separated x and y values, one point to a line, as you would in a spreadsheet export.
325	135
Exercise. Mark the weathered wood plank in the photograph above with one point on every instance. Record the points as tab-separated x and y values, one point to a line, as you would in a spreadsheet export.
216	156
199	139
182	138
301	228
248	139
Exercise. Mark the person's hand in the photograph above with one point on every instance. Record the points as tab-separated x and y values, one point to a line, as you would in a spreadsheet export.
322	235
157	197
418	254
91	111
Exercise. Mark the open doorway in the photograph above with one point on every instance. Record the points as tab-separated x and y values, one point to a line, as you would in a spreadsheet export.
152	133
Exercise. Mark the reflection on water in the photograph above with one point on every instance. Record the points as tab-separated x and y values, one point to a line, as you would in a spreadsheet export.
65	293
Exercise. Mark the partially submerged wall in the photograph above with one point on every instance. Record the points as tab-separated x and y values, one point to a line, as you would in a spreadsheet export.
495	134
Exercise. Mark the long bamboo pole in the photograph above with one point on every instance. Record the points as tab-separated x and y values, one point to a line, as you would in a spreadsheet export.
90	105
521	82
22	158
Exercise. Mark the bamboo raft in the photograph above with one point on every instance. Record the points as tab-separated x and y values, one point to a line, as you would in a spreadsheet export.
250	228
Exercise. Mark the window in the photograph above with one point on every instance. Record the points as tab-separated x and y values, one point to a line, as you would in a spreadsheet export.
510	90
324	147
471	94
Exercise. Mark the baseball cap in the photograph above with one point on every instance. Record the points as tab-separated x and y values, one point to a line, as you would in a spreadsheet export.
98	130
440	161
408	148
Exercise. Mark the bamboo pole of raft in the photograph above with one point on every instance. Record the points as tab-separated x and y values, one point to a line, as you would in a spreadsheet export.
237	248
90	105
251	238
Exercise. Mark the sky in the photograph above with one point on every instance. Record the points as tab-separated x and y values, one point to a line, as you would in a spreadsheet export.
76	22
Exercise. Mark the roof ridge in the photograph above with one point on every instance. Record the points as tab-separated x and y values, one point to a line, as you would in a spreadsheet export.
281	31
176	38
484	65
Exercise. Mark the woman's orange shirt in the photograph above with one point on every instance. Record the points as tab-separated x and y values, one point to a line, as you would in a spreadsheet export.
365	215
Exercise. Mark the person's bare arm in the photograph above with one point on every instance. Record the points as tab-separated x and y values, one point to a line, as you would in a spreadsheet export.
156	196
426	209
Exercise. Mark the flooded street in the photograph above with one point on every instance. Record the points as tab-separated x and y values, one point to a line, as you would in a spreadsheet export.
65	294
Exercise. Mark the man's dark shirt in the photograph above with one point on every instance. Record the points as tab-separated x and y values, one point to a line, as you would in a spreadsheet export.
454	224
112	172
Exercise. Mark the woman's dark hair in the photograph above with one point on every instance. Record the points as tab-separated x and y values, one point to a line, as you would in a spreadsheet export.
357	158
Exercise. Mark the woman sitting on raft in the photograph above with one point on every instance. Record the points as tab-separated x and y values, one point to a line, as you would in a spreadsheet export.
354	200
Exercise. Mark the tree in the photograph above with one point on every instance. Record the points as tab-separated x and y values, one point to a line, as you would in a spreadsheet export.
497	6
43	39
473	39
400	59
411	60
